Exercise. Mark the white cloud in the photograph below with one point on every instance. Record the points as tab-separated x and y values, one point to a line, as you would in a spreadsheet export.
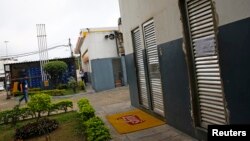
63	20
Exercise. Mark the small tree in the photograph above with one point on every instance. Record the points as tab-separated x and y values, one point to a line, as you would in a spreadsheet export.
81	85
39	103
72	84
55	69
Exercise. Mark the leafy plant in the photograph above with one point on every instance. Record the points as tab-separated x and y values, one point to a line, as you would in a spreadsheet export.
35	89
54	92
94	127
55	69
81	85
52	107
42	126
62	86
96	130
20	93
42	104
82	102
15	115
39	103
26	112
5	116
64	105
72	84
10	116
86	111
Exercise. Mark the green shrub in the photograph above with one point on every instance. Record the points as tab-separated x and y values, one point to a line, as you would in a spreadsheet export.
81	85
18	93
62	86
26	112
95	130
55	69
64	105
54	92
86	111
35	89
94	127
82	102
52	107
72	84
10	115
39	103
15	115
42	126
5	116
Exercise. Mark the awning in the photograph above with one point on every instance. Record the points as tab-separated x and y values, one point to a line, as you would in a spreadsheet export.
78	45
85	58
80	42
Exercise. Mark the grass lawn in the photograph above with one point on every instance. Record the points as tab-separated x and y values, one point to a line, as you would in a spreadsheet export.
67	130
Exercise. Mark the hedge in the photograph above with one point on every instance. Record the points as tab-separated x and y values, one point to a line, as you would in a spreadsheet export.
61	105
86	111
95	130
17	113
55	92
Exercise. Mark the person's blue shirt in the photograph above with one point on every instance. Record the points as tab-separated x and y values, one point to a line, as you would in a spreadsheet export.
24	85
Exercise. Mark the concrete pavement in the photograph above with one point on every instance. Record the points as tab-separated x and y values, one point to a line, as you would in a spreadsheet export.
115	101
118	100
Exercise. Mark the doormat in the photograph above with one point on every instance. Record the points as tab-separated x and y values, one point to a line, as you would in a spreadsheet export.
133	121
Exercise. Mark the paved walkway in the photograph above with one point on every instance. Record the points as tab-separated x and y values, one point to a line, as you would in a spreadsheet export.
115	101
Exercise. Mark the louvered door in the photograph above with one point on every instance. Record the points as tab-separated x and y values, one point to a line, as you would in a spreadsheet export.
206	62
153	67
143	92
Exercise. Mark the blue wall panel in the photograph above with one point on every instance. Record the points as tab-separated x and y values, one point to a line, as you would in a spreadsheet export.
102	74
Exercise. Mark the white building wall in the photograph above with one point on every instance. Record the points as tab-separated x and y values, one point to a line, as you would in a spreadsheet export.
167	18
98	47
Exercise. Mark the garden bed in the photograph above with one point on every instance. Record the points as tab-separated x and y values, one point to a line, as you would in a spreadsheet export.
67	130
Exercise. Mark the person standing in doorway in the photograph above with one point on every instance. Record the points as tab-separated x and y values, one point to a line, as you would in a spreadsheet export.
82	75
85	78
24	90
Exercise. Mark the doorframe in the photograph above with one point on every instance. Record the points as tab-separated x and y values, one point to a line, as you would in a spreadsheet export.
147	22
136	69
194	100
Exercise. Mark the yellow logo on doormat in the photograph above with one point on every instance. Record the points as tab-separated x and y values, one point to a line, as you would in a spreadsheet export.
133	121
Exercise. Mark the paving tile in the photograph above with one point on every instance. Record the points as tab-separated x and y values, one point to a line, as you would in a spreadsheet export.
182	138
157	137
140	134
